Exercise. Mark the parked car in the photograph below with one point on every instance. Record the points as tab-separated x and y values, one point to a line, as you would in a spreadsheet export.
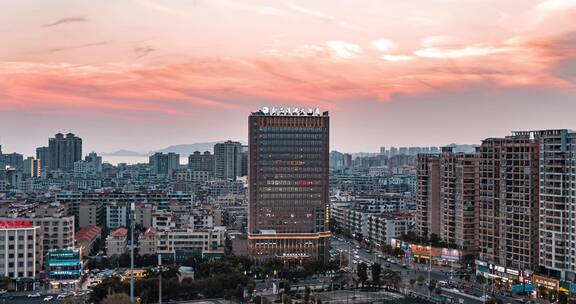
34	295
48	298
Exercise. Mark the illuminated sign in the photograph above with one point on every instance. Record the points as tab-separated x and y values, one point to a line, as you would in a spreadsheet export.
290	111
15	224
512	272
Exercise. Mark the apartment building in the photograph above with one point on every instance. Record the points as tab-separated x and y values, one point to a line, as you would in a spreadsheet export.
21	251
147	242
181	243
509	194
447	197
557	212
117	242
428	195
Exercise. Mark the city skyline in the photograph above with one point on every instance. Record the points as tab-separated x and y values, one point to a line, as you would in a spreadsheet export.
189	71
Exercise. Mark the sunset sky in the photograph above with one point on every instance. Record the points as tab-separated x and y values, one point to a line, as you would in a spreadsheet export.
145	74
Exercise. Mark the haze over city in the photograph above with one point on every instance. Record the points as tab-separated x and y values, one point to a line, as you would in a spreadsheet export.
146	74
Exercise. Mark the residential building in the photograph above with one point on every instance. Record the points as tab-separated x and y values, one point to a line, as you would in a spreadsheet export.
557	203
117	214
184	243
117	242
64	151
32	167
86	238
164	164
90	166
459	193
147	242
43	155
288	209
90	213
447	197
228	160
202	162
428	195
21	252
508	207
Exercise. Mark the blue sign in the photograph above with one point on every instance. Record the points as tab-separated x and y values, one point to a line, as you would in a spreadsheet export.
521	288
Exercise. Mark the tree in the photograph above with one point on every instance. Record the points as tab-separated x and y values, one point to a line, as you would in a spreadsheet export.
117	298
412	282
362	273
391	279
70	300
420	280
307	294
5	283
432	285
469	259
376	271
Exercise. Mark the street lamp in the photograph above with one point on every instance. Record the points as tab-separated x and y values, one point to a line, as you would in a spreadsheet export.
132	220
160	269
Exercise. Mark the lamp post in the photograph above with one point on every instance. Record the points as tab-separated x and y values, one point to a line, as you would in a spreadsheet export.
132	207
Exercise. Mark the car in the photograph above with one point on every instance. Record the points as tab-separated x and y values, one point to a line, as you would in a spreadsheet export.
387	265
379	256
404	266
358	247
48	298
34	295
368	251
62	296
3	291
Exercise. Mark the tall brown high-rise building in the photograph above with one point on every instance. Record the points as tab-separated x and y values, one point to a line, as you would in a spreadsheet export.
509	192
428	195
288	185
447	198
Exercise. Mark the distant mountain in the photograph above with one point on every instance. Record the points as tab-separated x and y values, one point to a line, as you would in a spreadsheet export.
123	152
187	149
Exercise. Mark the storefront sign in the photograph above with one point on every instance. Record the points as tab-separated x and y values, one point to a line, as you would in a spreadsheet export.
549	283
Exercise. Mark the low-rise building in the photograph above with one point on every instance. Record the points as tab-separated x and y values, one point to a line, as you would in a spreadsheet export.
87	237
64	268
117	242
183	243
147	242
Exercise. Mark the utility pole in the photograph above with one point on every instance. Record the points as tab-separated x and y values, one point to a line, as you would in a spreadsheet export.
429	269
160	279
132	207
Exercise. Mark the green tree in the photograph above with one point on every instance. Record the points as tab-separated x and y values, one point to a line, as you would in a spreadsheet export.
70	300
307	291
420	279
110	285
391	279
117	298
376	270
412	282
362	273
432	285
5	283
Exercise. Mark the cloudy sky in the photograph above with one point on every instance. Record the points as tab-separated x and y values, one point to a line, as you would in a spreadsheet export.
144	74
